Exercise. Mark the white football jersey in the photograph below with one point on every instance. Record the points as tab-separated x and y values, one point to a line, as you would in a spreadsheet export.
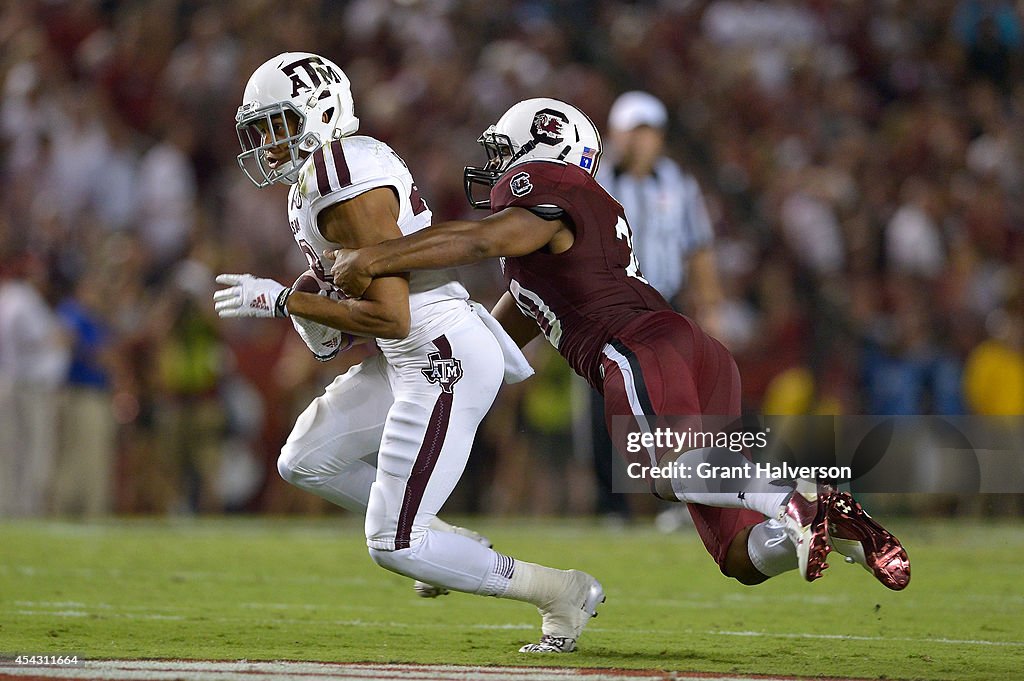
345	168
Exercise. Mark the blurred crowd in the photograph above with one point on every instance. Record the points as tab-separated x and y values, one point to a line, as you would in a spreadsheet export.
862	162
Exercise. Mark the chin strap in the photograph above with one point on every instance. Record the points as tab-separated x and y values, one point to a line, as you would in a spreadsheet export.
523	151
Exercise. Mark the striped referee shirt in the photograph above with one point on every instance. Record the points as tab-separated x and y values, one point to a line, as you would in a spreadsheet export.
668	217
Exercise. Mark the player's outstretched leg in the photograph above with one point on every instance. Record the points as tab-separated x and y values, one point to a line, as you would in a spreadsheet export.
856	535
804	519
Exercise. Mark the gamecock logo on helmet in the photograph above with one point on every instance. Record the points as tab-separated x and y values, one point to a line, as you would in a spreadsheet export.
548	125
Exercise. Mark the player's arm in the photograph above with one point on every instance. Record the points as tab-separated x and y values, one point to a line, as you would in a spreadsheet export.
512	232
705	289
521	328
383	309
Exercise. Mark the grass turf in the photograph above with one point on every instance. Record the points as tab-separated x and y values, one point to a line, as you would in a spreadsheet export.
306	590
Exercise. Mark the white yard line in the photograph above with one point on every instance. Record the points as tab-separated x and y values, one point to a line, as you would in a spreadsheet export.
155	670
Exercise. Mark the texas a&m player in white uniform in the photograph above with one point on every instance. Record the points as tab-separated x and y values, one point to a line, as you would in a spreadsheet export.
419	401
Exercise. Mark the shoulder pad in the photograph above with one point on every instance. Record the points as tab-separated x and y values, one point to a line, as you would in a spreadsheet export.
325	171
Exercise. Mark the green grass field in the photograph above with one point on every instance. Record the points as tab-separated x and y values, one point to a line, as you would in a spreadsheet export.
306	590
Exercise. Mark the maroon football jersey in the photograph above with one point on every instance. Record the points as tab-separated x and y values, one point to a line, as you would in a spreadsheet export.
582	297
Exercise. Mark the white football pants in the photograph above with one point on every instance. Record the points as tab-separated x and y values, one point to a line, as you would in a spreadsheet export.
419	412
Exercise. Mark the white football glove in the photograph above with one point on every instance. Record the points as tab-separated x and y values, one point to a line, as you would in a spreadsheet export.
249	296
324	342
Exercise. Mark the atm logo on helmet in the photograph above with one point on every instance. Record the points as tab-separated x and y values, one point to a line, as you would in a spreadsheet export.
314	70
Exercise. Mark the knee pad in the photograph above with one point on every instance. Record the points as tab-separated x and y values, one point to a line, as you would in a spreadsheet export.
386	529
294	465
286	465
297	467
395	561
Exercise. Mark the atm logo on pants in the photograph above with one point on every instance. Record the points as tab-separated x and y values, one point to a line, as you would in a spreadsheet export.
446	372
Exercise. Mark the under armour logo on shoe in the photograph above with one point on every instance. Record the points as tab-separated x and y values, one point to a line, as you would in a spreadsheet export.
260	303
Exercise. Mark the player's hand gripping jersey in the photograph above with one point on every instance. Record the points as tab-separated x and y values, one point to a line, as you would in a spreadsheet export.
343	169
580	298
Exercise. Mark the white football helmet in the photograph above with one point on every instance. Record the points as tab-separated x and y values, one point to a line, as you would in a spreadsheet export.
315	90
541	128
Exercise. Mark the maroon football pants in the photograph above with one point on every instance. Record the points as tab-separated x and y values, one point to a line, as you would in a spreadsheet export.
664	365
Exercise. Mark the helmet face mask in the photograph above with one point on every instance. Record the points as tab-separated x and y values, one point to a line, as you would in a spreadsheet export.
311	94
498	147
534	129
500	152
253	127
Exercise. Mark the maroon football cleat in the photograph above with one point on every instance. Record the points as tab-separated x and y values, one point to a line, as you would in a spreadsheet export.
804	520
853	533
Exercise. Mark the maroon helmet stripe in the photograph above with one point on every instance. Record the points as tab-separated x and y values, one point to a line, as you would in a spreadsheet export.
322	185
426	459
340	165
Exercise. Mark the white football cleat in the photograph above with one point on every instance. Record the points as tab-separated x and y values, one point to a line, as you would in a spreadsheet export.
803	518
424	590
563	620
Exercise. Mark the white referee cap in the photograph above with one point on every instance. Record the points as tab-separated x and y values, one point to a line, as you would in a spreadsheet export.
636	108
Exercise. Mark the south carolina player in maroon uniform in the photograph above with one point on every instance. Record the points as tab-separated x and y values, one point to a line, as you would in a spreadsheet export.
571	273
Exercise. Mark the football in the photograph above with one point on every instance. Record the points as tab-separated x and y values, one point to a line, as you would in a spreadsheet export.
324	341
309	282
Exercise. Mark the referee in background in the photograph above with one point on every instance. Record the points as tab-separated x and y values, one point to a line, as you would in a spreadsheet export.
672	240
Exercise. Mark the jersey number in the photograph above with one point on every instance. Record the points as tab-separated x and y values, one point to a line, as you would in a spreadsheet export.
622	231
417	202
313	259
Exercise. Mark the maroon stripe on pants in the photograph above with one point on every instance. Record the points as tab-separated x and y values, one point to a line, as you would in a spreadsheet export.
322	185
340	165
430	450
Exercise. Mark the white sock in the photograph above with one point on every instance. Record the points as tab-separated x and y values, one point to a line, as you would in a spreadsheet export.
537	584
749	491
770	549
